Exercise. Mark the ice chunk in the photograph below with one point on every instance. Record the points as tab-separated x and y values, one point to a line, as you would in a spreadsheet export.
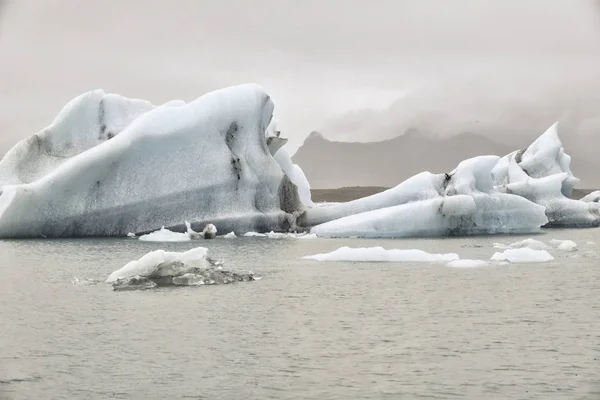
542	175
529	243
165	235
131	235
466	263
379	254
159	268
230	235
523	255
307	236
464	202
209	232
564	245
206	161
161	263
590	243
593	197
254	234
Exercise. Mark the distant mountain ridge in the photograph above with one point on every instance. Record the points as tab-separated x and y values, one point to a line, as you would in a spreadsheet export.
330	164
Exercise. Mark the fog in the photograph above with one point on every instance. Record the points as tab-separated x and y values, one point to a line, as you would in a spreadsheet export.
354	70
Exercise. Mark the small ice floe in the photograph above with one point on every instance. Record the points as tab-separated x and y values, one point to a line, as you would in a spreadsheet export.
254	234
165	235
192	233
282	235
379	254
563	245
230	235
467	263
590	243
161	268
131	235
523	255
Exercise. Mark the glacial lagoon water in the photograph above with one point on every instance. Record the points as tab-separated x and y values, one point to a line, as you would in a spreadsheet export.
307	329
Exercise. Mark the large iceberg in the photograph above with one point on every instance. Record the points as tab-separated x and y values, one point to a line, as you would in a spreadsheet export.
462	202
109	165
541	173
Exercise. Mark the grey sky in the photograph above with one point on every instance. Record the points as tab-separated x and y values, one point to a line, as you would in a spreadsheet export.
335	66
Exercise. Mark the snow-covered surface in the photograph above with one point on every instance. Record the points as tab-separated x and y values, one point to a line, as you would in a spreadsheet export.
593	197
206	162
165	235
460	203
542	174
523	255
230	235
161	263
466	263
563	245
379	254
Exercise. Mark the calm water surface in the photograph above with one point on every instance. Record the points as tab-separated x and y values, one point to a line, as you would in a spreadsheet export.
307	330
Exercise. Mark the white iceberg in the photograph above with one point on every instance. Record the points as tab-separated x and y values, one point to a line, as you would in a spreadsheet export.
162	268
165	235
230	235
466	263
379	254
542	174
462	202
109	165
523	255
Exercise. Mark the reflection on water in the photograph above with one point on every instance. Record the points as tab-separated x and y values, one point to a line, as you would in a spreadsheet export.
307	329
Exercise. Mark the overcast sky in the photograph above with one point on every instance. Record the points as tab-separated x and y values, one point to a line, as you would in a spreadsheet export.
355	70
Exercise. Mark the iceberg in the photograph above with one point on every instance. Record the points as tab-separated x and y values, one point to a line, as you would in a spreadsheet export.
542	174
161	268
379	254
462	202
523	255
230	235
109	165
165	235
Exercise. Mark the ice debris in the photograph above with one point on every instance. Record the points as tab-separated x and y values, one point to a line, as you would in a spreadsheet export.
165	235
523	255
466	263
161	268
379	254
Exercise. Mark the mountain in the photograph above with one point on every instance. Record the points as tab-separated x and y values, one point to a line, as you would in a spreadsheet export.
329	164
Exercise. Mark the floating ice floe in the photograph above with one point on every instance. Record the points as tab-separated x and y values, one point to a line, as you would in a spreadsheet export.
523	255
563	245
165	235
162	268
466	263
379	254
254	234
230	235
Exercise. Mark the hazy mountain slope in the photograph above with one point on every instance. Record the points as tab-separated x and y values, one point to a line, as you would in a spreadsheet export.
329	164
